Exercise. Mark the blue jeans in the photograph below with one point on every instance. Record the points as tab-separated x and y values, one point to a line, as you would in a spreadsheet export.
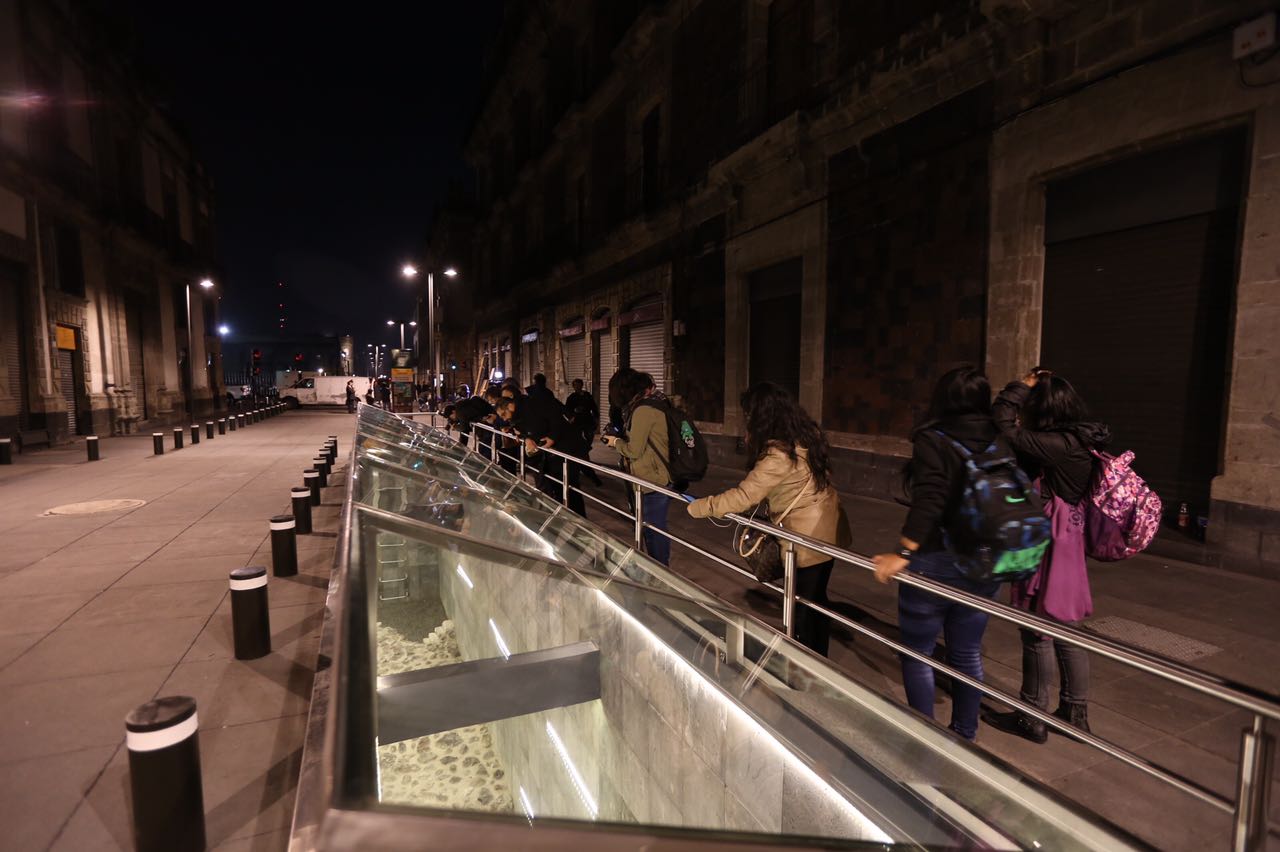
921	617
654	508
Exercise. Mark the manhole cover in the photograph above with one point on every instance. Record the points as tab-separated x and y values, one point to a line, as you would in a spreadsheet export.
93	507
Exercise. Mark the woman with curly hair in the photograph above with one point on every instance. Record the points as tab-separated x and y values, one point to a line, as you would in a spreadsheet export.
789	464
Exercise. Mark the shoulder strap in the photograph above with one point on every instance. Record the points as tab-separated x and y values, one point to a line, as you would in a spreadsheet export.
803	488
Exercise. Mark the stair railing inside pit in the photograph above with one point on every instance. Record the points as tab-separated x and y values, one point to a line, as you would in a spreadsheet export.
1257	746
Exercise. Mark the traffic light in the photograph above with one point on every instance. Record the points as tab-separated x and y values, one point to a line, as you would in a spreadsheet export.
297	357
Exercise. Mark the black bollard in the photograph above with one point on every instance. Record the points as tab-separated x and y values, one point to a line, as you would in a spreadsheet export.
332	451
302	509
164	775
240	420
208	429
177	438
195	434
91	447
250	616
157	443
311	479
231	423
320	465
6	451
284	546
333	439
222	425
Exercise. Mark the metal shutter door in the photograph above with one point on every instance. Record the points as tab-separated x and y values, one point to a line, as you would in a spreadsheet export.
574	351
67	385
606	366
11	345
645	351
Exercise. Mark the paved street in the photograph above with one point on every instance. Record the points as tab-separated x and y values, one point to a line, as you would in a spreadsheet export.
102	612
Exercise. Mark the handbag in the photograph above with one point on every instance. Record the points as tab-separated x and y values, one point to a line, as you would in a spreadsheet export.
762	551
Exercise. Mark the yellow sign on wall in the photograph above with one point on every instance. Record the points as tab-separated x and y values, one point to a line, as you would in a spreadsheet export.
66	337
401	374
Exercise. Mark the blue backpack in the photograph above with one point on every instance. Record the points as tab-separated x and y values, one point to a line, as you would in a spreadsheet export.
1002	531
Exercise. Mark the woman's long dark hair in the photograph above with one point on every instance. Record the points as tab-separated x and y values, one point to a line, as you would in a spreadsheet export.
959	392
1053	404
774	417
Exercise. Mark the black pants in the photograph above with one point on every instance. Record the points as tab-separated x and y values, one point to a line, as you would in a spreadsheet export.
554	466
813	629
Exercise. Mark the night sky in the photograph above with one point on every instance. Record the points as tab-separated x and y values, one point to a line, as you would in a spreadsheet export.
330	138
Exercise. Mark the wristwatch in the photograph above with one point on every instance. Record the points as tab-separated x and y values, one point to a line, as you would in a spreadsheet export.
906	554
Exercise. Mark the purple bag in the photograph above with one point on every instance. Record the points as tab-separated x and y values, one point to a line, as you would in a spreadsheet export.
1122	513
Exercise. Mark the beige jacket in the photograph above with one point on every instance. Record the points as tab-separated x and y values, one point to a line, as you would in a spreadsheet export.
778	479
646	446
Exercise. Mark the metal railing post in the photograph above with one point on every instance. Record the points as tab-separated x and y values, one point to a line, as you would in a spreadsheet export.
520	443
789	589
734	642
639	515
493	447
1253	788
564	481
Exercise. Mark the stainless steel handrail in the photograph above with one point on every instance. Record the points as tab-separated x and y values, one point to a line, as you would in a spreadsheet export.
1257	745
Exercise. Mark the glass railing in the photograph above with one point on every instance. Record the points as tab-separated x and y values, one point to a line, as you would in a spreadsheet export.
504	666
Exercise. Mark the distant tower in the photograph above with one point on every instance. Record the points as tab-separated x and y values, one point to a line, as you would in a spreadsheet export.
280	303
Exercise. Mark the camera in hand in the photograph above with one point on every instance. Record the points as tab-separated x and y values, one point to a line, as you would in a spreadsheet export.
612	431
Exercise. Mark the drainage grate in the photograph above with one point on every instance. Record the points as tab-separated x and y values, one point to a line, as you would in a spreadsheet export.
93	507
1175	646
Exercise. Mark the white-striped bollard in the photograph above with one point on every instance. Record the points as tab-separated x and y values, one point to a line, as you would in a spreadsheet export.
6	451
91	447
157	443
301	498
231	423
222	425
250	615
164	775
195	434
311	479
177	438
208	429
284	546
321	466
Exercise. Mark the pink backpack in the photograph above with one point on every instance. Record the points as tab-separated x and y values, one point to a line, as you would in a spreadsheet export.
1122	513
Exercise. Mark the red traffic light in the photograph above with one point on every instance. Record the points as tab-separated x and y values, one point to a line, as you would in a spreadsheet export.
297	357
257	354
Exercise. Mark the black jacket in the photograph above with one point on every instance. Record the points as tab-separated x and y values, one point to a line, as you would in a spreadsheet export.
1061	457
471	410
936	476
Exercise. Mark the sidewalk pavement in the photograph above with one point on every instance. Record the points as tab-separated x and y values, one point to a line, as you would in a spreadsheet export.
102	612
1221	622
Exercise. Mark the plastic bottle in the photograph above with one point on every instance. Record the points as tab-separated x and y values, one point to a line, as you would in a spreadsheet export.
1184	517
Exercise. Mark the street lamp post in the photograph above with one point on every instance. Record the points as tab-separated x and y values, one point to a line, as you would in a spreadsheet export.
433	348
206	284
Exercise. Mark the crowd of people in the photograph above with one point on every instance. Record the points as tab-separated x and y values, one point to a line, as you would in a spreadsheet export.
1040	422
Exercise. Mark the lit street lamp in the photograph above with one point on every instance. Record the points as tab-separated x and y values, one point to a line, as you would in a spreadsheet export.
410	272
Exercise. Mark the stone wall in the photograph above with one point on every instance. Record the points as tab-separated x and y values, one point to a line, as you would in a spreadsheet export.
663	744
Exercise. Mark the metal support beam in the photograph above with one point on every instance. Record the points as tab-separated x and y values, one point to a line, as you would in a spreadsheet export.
429	701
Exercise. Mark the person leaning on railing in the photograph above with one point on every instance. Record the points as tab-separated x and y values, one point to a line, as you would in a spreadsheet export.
645	451
790	467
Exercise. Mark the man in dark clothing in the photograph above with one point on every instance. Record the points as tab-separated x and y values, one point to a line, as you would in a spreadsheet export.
465	413
540	423
583	413
539	388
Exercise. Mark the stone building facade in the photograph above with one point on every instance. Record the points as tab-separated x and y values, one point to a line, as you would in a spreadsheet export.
850	198
106	233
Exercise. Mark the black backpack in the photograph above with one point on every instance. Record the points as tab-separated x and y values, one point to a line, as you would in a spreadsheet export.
1002	532
685	445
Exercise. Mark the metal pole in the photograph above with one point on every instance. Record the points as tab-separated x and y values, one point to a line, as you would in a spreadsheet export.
431	325
301	498
208	429
311	479
564	482
521	472
250	613
222	425
164	775
1253	788
195	434
6	451
789	589
639	515
91	447
284	546
177	438
157	443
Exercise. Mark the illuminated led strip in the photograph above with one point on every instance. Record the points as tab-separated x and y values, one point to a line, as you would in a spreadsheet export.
578	782
156	740
502	646
528	808
467	580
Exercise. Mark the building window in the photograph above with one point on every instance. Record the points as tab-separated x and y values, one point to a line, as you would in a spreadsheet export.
68	263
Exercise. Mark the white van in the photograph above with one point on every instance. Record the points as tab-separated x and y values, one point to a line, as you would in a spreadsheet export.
321	390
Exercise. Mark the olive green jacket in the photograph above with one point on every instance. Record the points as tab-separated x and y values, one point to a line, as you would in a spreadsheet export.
646	448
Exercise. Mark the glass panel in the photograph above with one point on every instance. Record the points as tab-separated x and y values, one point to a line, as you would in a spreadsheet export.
527	665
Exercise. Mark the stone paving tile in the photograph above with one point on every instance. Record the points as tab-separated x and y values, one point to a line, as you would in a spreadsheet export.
116	534
76	555
290	626
244	798
40	613
177	570
272	841
69	653
73	713
126	605
38	795
16	644
235	692
48	580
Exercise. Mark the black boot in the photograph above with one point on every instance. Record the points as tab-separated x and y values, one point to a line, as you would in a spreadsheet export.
1074	713
1018	723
